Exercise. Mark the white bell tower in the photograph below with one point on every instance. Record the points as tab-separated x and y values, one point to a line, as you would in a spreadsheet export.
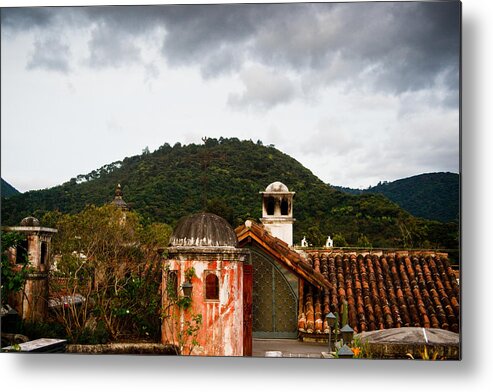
277	211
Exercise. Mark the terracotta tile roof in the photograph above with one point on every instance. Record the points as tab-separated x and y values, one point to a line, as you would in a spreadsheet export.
382	289
392	290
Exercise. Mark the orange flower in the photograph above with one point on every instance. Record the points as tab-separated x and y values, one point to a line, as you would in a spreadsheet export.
356	352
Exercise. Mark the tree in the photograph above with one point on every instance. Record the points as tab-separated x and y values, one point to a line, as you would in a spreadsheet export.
315	237
363	242
111	260
220	207
339	240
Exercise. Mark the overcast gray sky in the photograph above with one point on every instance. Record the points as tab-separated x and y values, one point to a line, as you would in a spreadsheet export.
356	92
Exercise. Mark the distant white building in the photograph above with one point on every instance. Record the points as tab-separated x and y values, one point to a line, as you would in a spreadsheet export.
329	243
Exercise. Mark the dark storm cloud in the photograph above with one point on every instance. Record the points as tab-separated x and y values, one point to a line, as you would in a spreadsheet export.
211	32
19	19
383	46
407	45
391	47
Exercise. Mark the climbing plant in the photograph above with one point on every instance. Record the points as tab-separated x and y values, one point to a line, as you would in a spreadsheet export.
179	331
13	275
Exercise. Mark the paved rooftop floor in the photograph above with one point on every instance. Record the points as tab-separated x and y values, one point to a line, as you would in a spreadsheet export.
288	348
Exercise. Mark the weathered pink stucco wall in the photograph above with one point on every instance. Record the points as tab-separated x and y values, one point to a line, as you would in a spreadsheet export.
221	333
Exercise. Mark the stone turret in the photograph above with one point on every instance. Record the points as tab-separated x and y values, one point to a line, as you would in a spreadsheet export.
32	303
118	200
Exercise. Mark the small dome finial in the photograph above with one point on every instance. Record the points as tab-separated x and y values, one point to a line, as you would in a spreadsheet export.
118	191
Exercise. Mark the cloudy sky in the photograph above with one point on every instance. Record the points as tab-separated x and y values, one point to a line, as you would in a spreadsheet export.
356	92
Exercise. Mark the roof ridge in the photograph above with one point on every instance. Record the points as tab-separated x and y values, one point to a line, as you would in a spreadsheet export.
281	251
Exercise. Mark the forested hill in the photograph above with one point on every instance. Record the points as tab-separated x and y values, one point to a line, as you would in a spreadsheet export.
225	176
431	196
8	190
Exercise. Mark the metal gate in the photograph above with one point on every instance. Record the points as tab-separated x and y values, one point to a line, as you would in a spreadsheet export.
274	300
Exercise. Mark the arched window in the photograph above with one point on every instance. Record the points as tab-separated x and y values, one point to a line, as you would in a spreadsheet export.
270	205
44	252
21	253
211	286
284	207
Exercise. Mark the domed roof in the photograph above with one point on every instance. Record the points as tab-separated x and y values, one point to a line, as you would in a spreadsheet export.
277	187
30	221
203	229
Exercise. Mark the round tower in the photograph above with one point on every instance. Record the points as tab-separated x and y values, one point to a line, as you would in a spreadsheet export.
205	264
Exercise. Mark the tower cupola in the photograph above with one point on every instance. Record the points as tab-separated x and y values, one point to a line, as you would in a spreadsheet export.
277	211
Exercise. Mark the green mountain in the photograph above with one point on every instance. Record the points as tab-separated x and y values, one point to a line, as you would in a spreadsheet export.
432	196
8	190
225	176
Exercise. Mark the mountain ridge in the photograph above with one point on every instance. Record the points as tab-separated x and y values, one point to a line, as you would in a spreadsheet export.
225	176
432	195
8	190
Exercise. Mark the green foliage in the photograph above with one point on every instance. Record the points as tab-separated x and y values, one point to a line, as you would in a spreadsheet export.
344	314
427	355
315	237
184	302
110	258
361	348
180	333
13	276
339	240
154	234
97	335
225	176
189	274
38	330
433	196
188	333
138	304
363	242
220	207
8	190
